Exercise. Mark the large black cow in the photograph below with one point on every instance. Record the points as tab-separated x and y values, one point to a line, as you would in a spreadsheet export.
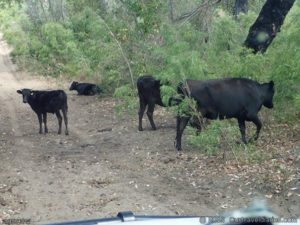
238	98
85	88
43	102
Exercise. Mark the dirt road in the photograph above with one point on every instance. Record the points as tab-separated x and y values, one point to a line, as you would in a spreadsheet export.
105	165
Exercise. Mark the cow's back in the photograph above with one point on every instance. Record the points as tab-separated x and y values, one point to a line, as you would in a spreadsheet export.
49	101
86	88
230	97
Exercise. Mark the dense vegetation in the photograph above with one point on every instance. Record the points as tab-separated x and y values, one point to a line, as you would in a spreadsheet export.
113	42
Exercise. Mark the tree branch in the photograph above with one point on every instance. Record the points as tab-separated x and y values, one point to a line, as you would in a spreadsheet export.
121	50
189	15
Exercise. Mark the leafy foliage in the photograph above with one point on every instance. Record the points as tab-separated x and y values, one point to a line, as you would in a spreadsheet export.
5	3
145	14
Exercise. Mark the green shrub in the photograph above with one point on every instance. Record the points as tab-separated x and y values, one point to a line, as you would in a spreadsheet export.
215	137
128	101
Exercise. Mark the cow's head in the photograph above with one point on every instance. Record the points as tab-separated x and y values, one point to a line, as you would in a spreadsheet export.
268	95
26	93
73	85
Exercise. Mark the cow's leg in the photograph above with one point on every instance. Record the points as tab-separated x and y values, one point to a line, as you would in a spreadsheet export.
45	122
141	114
150	111
59	118
40	122
258	124
181	123
242	127
65	115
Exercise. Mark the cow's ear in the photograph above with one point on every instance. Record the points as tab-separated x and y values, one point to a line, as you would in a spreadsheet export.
19	91
271	84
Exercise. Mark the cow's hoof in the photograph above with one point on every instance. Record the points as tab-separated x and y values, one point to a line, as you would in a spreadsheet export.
241	142
140	129
40	132
179	153
178	148
59	132
252	140
67	133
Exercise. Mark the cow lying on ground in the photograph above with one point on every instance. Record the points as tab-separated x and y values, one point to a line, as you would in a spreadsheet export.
238	98
85	88
43	102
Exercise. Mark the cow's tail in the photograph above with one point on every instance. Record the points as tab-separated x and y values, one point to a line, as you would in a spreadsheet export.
66	103
67	106
140	87
65	100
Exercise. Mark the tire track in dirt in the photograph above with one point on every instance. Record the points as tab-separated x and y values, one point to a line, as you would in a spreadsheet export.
25	177
19	157
23	174
8	83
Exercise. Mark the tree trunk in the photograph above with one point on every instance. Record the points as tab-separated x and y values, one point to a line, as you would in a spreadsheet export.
267	24
240	6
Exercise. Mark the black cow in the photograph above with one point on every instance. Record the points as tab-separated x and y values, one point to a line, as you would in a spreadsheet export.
238	98
149	95
43	102
85	88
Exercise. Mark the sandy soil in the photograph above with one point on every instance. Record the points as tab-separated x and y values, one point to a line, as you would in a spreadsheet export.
105	165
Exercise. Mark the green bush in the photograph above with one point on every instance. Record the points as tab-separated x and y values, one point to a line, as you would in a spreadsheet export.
127	100
207	141
216	136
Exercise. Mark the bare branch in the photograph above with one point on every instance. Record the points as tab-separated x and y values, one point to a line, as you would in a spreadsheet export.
189	15
121	50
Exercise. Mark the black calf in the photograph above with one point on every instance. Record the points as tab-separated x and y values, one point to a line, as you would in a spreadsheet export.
149	95
85	88
43	102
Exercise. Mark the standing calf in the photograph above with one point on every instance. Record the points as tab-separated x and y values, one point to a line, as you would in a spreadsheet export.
149	95
43	102
85	88
238	98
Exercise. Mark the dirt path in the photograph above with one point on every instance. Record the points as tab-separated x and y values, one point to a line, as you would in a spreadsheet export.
105	165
